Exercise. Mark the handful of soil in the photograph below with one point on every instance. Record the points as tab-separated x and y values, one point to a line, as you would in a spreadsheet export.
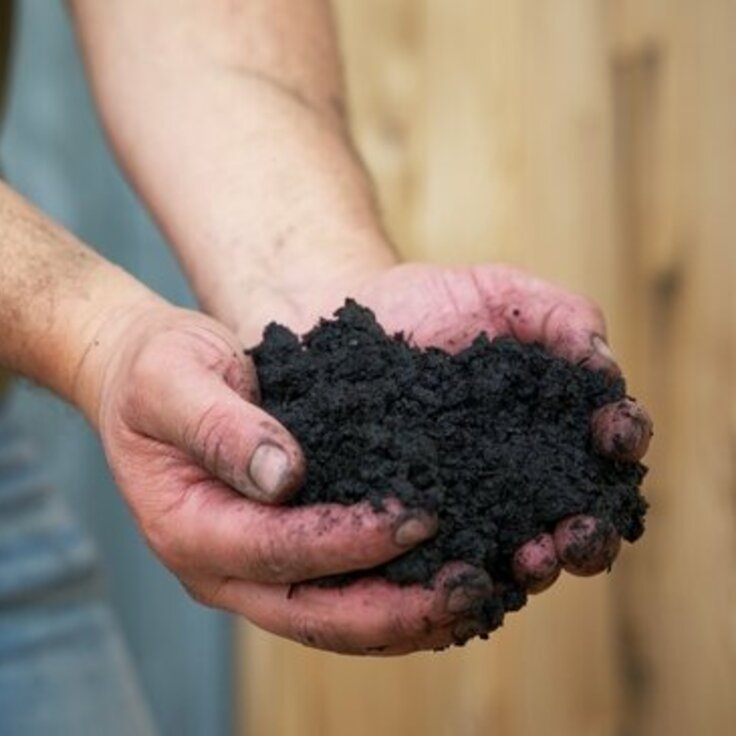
495	439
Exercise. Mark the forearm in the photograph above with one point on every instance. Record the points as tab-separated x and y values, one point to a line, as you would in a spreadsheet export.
228	119
55	296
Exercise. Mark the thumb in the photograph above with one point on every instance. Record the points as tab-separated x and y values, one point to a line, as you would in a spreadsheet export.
197	411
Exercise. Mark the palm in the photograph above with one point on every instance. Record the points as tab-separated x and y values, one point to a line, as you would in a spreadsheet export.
449	307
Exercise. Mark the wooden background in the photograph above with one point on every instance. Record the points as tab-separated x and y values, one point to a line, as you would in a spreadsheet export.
593	142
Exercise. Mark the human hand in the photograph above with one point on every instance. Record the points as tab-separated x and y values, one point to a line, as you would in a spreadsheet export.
449	307
201	467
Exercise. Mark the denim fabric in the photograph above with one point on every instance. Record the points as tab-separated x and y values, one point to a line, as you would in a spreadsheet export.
63	666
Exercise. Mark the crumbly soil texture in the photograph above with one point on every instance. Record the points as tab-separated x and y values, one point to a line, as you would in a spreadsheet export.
495	439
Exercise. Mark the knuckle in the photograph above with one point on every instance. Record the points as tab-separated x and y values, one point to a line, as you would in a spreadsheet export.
216	353
554	321
212	348
269	564
590	315
580	310
199	430
204	435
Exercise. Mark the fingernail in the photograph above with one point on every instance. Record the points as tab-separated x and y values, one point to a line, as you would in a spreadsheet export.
461	600
466	590
622	430
269	469
602	348
414	527
586	545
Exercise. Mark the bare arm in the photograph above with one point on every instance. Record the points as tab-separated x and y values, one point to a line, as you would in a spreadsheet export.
229	119
55	296
170	392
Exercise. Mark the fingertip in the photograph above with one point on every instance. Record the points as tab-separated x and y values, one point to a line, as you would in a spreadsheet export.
586	545
463	587
272	465
413	527
574	328
536	565
622	430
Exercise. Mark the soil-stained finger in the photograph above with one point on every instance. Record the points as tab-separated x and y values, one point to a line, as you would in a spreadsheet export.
536	565
533	310
622	430
586	545
368	617
216	531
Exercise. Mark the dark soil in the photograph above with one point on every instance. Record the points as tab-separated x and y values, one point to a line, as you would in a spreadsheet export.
495	439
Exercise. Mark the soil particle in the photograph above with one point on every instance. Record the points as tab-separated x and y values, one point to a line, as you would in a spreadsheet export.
495	439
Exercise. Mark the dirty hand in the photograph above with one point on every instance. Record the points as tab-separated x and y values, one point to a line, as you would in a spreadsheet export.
202	467
448	307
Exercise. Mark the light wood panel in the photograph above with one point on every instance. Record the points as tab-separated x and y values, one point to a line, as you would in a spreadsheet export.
675	65
593	142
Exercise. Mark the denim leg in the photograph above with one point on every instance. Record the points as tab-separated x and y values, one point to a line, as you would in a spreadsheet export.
63	665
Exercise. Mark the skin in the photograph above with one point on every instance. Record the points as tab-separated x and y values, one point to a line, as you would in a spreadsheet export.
227	118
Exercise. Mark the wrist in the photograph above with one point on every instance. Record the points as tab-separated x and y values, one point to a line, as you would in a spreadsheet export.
296	286
117	306
274	217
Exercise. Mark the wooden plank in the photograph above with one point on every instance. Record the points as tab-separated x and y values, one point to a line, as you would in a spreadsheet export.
676	127
591	141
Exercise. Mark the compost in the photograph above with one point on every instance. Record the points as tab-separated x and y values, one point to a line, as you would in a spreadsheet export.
495	439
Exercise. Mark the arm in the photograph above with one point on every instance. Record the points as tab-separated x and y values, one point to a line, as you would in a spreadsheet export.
170	392
55	297
229	119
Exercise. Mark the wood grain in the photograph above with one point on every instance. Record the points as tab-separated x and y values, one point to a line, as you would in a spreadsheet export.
593	142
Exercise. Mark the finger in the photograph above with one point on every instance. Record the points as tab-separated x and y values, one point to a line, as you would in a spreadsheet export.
622	430
532	310
370	616
484	617
214	530
586	545
458	633
200	409
536	565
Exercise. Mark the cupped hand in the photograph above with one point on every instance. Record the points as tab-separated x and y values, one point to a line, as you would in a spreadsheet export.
203	470
449	307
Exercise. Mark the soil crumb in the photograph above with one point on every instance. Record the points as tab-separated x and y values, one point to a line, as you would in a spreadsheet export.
495	439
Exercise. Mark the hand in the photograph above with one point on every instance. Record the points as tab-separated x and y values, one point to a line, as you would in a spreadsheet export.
448	307
201	466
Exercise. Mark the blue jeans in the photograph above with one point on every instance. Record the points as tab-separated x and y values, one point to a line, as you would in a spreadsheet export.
63	665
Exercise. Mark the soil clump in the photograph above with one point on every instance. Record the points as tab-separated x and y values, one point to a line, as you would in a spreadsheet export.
495	439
